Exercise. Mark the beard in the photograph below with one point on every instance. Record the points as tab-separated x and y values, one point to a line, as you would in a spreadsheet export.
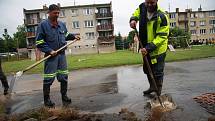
151	9
55	17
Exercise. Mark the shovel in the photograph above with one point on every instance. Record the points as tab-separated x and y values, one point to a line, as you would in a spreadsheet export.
20	73
165	101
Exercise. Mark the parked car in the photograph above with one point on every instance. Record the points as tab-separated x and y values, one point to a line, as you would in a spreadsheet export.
3	54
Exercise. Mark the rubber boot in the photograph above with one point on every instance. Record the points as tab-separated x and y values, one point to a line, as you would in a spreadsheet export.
151	88
5	91
47	100
63	89
5	85
159	85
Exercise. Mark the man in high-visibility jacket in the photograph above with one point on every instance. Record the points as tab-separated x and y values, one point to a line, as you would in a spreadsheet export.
153	32
52	35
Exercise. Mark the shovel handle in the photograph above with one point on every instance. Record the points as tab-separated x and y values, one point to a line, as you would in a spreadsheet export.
145	60
45	58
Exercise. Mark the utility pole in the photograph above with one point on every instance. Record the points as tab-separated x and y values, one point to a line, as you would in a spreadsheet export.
17	47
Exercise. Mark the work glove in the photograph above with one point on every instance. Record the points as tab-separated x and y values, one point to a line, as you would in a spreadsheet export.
133	24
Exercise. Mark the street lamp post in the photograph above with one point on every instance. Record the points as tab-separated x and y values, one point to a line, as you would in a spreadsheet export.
6	36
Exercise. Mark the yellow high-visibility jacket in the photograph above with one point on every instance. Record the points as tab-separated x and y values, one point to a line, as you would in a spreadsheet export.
154	32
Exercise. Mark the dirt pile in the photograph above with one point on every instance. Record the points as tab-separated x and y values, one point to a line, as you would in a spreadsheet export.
66	114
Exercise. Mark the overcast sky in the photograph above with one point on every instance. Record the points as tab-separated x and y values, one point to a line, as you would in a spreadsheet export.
12	10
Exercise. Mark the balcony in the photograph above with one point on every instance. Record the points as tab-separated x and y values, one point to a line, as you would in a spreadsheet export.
30	34
106	40
183	19
104	15
32	22
105	27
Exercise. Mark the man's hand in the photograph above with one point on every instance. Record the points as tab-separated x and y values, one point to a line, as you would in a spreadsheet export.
133	24
144	51
53	53
77	37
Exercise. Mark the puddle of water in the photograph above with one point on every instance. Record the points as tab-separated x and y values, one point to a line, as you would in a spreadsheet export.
132	81
97	89
111	89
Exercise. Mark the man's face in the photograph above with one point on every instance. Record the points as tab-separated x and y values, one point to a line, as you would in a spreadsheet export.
151	5
54	14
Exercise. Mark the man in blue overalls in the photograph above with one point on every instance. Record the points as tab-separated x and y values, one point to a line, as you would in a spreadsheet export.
52	35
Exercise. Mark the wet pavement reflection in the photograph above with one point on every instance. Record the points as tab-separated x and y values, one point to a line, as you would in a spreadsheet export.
109	90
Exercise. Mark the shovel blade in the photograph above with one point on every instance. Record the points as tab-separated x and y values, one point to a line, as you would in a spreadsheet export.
166	100
12	82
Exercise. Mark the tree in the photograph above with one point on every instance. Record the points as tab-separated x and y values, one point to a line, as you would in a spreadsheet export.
130	37
20	37
2	45
179	38
8	42
118	42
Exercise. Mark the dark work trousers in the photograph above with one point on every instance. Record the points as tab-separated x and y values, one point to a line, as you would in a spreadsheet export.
3	78
157	69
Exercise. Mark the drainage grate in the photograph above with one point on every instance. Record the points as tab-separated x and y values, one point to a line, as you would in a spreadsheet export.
207	101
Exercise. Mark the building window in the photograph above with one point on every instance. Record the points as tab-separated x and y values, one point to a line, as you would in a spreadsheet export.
103	22
193	32
192	15
32	19
103	10
62	13
173	24
75	24
212	30
192	23
86	46
201	15
212	13
93	46
202	23
44	16
88	23
89	35
212	22
88	11
74	12
172	16
202	31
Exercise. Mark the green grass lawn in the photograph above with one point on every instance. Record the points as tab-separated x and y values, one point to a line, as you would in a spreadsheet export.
118	58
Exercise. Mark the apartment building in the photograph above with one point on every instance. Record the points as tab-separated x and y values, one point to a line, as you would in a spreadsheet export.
94	24
201	24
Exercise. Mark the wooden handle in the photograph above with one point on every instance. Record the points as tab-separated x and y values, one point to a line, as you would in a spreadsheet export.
40	61
147	62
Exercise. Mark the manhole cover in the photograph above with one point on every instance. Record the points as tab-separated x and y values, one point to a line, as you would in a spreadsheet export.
207	101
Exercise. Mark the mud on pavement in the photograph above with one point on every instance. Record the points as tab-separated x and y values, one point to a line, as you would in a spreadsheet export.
108	90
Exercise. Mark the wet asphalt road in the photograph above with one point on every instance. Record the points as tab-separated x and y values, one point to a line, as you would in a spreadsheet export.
110	89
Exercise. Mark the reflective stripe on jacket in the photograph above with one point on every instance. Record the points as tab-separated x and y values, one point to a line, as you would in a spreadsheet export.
154	32
50	38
